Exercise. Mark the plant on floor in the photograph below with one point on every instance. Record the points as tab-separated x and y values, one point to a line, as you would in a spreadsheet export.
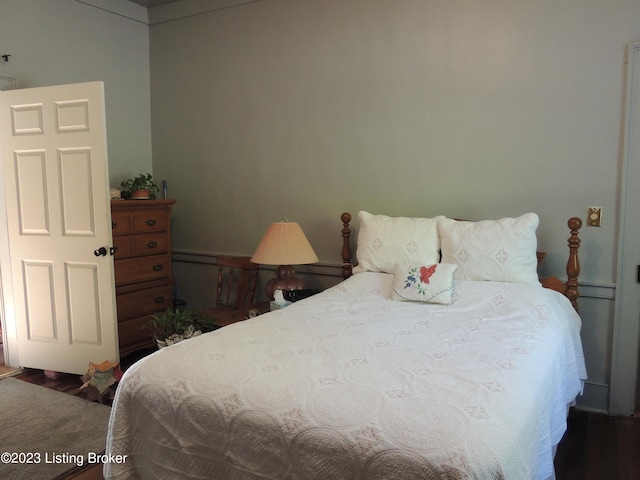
143	186
173	326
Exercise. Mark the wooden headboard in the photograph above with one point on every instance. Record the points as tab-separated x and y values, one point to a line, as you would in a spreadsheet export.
568	288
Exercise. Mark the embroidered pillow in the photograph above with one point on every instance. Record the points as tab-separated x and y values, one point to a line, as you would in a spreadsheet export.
498	250
424	283
384	241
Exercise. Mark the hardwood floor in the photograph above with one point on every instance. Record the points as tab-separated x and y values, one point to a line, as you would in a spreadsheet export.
595	446
69	383
599	447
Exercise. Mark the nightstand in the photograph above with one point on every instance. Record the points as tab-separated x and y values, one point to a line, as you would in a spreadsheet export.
226	317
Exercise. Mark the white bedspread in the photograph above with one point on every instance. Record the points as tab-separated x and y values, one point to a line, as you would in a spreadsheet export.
349	384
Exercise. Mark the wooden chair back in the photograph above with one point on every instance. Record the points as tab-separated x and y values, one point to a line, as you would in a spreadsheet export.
237	279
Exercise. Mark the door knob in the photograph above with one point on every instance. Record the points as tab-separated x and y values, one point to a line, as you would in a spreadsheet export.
113	250
102	251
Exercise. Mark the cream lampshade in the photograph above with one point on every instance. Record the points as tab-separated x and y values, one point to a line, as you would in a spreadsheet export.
284	244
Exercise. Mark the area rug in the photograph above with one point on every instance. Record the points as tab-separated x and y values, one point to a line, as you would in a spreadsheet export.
45	433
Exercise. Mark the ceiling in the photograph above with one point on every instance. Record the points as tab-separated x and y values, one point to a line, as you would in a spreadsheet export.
152	3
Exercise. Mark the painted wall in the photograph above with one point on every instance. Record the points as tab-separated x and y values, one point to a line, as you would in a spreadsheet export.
305	109
469	110
300	108
69	41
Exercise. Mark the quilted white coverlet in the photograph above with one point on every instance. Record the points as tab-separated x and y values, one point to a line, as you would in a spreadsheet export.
349	384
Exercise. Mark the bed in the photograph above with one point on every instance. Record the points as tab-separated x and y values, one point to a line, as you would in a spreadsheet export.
440	356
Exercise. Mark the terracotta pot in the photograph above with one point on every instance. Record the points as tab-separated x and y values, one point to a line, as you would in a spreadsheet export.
140	194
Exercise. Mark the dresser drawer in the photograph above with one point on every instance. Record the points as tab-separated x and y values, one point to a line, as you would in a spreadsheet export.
151	243
140	269
150	221
134	334
121	223
139	221
142	244
148	300
124	245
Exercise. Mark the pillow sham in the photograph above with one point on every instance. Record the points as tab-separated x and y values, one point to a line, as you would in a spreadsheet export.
384	241
424	283
498	250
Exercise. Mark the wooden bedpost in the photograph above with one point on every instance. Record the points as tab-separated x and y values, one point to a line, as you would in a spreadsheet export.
573	264
347	268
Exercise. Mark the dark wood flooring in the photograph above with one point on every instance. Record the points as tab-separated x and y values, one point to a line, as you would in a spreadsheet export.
599	447
595	446
69	383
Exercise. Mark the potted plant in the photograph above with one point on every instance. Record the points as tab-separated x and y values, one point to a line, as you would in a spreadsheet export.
173	326
142	187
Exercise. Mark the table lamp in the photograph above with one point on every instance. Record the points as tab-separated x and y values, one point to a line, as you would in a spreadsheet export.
284	244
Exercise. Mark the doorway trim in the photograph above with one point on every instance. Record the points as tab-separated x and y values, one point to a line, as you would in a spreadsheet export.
7	317
624	361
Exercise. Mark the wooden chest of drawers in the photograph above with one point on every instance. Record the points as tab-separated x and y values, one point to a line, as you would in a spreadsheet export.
143	274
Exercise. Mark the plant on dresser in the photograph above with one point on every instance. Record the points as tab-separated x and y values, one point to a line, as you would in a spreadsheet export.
143	274
141	187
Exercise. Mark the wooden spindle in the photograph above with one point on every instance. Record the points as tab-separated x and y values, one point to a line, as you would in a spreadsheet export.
347	268
573	264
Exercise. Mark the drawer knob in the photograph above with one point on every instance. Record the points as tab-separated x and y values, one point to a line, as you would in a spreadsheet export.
152	244
157	267
114	225
159	299
151	222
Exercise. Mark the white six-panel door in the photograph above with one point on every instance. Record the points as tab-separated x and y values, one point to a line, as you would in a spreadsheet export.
54	160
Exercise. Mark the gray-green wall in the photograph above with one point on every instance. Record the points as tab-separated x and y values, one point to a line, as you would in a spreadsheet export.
54	42
258	110
305	108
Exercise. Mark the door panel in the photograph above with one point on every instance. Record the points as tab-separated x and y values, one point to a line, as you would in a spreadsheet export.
84	317
77	193
30	176
39	299
54	159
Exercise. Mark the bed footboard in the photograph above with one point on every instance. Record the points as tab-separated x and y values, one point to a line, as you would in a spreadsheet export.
569	288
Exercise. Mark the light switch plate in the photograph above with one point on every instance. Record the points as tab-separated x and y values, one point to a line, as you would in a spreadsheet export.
594	216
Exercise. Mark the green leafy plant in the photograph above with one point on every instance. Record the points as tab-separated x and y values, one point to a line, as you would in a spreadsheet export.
173	326
142	182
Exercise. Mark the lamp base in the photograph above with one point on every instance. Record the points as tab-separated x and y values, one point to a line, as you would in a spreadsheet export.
285	280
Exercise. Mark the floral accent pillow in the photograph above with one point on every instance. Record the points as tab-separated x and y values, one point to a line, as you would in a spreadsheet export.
384	241
424	283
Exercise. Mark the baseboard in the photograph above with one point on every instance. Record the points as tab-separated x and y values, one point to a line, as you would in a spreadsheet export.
595	398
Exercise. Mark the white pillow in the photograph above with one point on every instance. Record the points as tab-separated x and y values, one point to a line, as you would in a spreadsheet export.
424	283
384	241
499	250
